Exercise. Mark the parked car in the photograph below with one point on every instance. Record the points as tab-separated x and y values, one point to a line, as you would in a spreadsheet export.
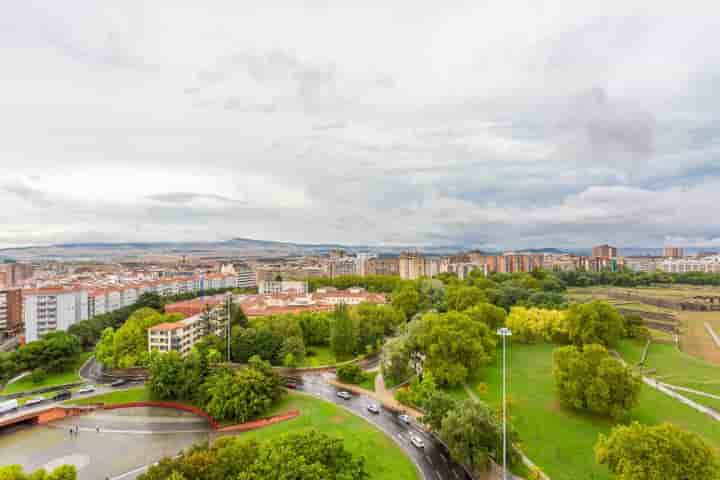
64	395
119	383
417	441
87	389
404	418
344	395
373	408
35	401
8	406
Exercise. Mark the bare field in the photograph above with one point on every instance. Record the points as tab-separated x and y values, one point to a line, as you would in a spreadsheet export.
694	339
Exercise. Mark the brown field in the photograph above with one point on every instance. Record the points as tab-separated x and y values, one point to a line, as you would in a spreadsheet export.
694	339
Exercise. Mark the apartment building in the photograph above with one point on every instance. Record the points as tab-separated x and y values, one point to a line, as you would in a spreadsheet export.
246	278
181	336
338	266
11	320
383	266
604	251
270	287
322	300
47	310
463	269
14	274
685	265
673	252
642	264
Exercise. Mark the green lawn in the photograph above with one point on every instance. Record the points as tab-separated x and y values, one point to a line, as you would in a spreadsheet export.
322	356
52	380
385	460
559	440
140	394
369	382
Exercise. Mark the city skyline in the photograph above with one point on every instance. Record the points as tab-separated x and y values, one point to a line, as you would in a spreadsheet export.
499	124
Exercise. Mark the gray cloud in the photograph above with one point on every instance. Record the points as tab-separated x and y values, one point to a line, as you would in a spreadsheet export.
152	121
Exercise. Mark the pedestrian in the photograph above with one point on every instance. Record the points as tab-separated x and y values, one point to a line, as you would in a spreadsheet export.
97	429
71	431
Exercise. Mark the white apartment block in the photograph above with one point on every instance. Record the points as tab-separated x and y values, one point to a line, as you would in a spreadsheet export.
3	312
52	309
269	287
685	265
181	336
246	278
640	264
128	296
97	303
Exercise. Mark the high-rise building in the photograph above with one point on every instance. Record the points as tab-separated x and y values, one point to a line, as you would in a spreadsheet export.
11	321
13	274
47	310
673	252
361	263
383	266
604	251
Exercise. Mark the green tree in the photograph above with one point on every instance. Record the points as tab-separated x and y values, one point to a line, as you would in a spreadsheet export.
15	472
342	333
489	314
595	322
295	347
590	379
38	376
407	300
395	362
105	348
462	297
658	452
454	346
350	373
473	435
436	409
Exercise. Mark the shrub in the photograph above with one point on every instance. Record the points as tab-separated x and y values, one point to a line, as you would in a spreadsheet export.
350	373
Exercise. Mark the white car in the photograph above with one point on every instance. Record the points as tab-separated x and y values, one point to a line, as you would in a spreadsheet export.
373	408
34	401
344	395
404	418
88	389
417	441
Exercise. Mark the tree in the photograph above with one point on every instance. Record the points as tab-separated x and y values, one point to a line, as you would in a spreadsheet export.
105	348
395	362
595	322
454	345
419	392
372	322
38	376
295	347
130	341
531	325
590	379
489	314
436	408
462	297
641	452
15	472
342	333
350	373
473	435
407	300
244	394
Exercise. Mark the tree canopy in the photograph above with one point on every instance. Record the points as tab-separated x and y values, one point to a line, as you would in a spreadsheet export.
595	322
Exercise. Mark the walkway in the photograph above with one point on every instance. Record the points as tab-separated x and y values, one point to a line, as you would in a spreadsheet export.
651	382
712	333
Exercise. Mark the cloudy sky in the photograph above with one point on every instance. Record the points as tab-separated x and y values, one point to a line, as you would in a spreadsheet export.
490	123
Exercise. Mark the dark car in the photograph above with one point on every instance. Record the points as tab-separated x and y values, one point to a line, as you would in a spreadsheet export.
291	385
119	383
64	395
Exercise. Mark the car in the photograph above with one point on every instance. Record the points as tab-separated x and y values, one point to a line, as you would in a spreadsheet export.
417	441
344	395
404	418
88	389
64	395
373	408
9	406
34	401
119	383
291	385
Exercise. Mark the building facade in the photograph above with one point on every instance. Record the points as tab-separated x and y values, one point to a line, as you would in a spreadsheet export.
182	336
270	287
673	252
383	266
685	265
14	274
11	321
52	309
604	251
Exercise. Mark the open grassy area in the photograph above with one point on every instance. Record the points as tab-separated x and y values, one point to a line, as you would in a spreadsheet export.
385	460
53	379
559	440
140	394
319	357
694	338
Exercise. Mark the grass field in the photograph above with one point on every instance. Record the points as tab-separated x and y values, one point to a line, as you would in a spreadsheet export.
322	356
385	460
140	394
52	380
559	440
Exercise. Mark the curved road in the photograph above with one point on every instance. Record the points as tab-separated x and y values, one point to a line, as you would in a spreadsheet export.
433	460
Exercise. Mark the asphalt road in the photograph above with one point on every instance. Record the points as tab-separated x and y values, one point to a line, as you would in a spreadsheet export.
432	460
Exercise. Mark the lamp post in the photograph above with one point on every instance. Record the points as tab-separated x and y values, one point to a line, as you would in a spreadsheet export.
504	333
228	318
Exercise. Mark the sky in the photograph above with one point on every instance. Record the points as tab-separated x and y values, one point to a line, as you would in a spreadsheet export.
504	124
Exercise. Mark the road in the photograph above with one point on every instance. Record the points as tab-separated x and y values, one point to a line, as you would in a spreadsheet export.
433	461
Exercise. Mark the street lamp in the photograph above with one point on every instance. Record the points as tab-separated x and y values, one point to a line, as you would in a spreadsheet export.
504	333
